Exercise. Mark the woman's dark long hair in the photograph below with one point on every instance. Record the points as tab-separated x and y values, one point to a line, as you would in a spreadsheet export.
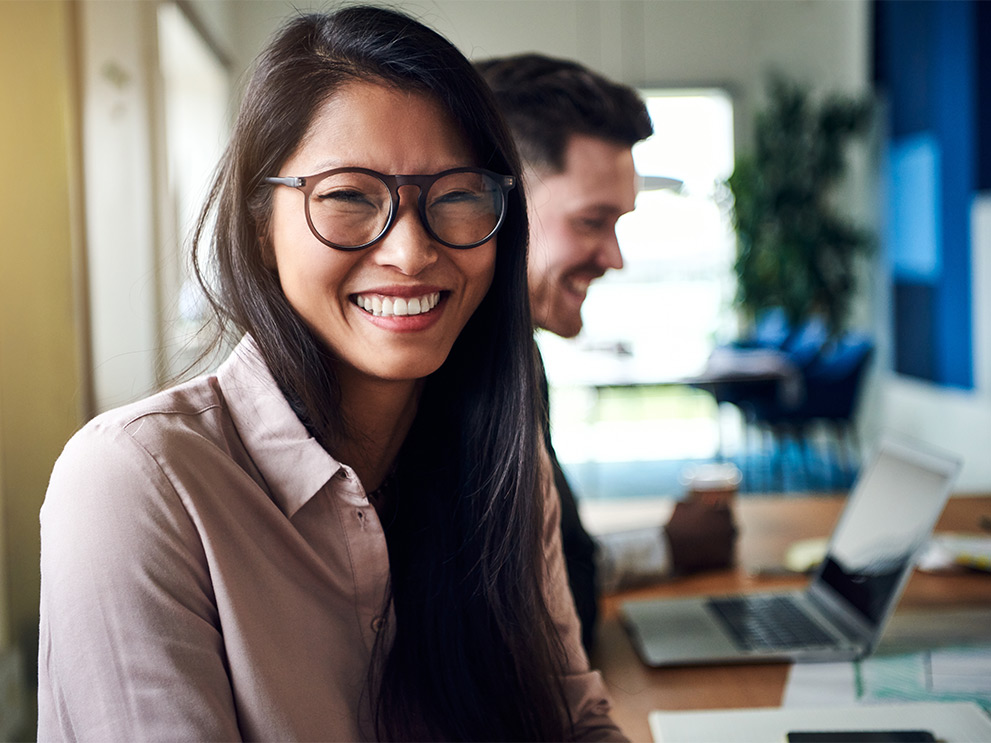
475	654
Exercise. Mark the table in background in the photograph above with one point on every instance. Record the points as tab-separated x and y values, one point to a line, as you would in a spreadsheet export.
768	525
601	368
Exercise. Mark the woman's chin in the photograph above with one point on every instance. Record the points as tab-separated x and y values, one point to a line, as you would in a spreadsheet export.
403	370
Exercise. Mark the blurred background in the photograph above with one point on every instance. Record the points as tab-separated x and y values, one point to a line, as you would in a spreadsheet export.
115	112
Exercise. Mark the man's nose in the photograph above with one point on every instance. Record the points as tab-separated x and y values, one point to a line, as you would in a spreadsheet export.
609	254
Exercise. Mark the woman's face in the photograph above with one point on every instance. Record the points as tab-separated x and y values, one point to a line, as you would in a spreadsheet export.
373	126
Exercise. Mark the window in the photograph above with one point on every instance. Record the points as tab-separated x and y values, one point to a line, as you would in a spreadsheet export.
196	95
657	319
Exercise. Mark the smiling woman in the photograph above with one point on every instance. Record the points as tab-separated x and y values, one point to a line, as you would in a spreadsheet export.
349	530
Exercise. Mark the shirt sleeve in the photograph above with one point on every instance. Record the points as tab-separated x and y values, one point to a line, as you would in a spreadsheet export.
633	557
584	688
130	643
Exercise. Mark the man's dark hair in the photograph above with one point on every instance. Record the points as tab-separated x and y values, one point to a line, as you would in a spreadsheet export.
547	100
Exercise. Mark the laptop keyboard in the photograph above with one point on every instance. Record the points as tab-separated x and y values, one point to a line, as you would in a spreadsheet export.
768	623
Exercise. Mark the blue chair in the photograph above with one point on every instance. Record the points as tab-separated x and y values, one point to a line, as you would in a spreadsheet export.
832	382
771	330
801	346
773	333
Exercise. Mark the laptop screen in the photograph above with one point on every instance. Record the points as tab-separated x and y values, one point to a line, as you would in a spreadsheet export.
889	518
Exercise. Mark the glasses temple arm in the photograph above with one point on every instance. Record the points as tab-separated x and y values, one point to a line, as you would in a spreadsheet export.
290	181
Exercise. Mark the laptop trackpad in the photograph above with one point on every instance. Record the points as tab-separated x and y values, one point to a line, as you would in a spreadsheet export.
676	631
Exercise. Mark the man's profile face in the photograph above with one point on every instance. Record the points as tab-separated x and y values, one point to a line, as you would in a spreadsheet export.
573	228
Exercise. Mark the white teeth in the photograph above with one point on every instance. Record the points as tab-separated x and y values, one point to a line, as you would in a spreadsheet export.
397	306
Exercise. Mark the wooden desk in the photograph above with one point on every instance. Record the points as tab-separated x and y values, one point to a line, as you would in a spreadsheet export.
768	525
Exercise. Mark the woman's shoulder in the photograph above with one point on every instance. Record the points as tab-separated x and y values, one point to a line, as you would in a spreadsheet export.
194	408
131	447
119	463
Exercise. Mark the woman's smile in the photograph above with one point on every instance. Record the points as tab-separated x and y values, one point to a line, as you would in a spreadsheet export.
401	310
398	305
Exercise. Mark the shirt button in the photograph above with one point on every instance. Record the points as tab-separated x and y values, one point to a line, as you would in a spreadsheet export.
377	623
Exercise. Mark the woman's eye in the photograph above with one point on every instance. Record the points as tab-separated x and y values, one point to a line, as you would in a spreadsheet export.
344	196
457	197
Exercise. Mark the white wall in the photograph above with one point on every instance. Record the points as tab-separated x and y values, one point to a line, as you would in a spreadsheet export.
730	43
130	244
119	54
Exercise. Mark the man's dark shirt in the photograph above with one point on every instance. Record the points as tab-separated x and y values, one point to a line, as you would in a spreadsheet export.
579	547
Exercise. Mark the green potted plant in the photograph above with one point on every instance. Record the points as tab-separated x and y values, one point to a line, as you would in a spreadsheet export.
794	249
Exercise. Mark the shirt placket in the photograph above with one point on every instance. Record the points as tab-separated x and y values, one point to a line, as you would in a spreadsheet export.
369	557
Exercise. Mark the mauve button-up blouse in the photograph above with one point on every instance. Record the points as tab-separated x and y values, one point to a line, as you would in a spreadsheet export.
210	572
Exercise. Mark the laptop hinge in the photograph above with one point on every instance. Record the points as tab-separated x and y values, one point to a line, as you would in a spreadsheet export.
844	617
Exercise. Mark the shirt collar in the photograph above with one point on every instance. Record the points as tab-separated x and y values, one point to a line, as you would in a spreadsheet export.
295	466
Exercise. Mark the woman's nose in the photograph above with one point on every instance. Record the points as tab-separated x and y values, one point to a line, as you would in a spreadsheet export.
408	246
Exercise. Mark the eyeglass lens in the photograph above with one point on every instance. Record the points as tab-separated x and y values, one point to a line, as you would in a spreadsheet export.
352	209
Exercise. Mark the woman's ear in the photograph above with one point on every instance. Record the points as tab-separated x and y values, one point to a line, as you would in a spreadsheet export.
266	248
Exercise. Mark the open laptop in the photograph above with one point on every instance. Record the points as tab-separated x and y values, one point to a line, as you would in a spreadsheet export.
841	614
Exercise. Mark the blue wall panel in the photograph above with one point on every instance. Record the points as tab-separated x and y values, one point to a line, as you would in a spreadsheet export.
926	65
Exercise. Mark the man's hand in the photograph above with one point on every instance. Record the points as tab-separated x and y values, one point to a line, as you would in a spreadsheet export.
701	536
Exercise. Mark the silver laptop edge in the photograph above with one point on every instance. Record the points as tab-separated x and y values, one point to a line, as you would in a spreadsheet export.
857	635
836	607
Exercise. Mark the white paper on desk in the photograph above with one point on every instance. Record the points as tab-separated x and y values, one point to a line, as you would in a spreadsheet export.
947	550
940	674
952	674
960	670
953	722
820	685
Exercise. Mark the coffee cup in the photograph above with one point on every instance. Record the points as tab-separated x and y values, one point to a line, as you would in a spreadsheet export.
714	484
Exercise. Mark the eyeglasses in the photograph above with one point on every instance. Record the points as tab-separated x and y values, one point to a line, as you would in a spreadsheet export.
353	208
